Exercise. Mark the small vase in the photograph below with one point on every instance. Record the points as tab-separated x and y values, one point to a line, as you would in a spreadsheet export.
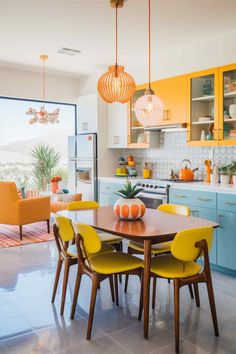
129	209
54	187
224	179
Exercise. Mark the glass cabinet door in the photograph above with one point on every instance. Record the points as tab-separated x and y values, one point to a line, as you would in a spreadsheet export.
137	134
227	113
203	107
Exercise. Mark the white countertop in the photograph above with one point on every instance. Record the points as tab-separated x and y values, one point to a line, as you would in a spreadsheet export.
203	186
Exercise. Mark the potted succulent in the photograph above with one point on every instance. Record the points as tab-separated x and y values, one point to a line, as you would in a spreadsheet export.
232	172
129	207
224	175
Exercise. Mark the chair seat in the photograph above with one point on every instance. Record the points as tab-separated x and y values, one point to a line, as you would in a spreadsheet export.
156	249
167	266
118	262
109	238
106	248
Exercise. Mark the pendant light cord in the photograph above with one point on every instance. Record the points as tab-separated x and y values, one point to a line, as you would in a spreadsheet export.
44	82
116	34
149	43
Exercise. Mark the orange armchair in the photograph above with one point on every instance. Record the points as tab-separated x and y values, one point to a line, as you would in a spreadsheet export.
16	211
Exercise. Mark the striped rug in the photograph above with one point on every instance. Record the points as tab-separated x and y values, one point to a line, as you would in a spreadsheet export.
33	233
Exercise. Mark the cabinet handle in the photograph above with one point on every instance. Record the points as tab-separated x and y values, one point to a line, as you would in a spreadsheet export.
188	136
84	126
204	199
195	213
180	196
116	140
165	114
230	203
168	114
219	220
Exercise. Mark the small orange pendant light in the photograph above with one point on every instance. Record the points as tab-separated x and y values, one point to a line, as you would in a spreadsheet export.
149	108
116	85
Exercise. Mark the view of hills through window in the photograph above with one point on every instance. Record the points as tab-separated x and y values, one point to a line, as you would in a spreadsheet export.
18	138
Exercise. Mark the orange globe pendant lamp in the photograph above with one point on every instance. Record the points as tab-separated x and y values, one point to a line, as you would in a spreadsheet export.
116	85
149	108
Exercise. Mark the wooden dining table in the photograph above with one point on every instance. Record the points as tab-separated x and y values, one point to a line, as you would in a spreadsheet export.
154	227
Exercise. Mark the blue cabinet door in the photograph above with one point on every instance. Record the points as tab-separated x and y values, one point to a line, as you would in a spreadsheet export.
226	237
208	214
107	199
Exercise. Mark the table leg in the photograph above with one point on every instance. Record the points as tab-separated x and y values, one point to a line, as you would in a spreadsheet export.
146	287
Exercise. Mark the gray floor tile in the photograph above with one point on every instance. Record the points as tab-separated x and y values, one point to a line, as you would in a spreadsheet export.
186	347
14	326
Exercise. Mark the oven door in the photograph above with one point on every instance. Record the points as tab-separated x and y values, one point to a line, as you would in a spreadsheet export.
152	200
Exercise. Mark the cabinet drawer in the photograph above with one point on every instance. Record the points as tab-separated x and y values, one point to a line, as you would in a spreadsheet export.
226	202
106	187
196	198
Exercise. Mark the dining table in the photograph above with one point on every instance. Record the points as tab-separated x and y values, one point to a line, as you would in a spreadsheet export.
154	227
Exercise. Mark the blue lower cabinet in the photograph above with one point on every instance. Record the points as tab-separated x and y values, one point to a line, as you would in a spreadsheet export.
209	214
107	199
226	240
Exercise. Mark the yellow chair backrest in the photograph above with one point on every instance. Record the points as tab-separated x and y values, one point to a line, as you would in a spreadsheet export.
8	193
91	240
66	232
174	209
183	246
84	204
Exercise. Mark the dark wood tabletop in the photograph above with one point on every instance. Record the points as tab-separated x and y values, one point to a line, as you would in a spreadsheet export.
155	225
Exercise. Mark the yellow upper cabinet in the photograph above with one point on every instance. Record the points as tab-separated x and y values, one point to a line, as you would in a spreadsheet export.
227	105
203	108
173	93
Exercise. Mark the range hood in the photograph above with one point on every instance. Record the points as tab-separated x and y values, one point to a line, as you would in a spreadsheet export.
167	128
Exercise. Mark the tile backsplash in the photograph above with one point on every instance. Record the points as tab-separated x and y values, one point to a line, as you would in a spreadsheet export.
173	149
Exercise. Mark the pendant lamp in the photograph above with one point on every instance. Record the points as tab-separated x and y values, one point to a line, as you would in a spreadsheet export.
116	85
149	107
43	116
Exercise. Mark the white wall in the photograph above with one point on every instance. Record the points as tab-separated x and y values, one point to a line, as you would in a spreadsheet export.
198	55
27	84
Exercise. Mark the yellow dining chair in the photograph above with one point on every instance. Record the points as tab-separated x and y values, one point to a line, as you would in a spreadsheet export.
159	248
115	241
181	266
99	266
67	254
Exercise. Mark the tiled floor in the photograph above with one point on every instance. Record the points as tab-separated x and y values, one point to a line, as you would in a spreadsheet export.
31	324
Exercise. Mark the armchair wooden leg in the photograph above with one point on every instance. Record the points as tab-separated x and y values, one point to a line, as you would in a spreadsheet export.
176	312
76	293
112	288
196	293
48	226
20	229
64	287
140	311
92	306
58	272
154	283
212	305
190	290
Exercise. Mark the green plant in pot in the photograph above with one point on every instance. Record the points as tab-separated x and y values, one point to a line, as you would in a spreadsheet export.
129	206
224	175
232	172
22	183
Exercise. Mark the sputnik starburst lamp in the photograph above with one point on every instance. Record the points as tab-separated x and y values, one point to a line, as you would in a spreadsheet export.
149	107
43	116
116	85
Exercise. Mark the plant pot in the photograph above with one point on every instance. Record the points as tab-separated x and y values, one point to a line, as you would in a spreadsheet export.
234	180
54	187
224	179
129	209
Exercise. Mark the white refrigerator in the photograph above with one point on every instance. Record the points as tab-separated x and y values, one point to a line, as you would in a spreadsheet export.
82	165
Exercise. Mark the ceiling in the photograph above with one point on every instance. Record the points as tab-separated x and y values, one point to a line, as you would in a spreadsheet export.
30	28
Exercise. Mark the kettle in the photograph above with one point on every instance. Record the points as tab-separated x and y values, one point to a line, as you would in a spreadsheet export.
186	173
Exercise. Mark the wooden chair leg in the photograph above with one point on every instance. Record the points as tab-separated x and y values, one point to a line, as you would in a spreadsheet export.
64	287
92	306
58	272
196	293
140	311
168	281
112	288
212	305
126	282
48	226
190	291
116	289
176	312
154	284
21	233
121	250
76	293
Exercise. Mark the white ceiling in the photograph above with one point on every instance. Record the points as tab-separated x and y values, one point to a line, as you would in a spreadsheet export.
30	28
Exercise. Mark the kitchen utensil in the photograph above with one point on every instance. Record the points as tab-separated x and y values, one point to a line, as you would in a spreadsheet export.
132	172
131	163
208	171
147	173
232	110
203	135
186	174
209	136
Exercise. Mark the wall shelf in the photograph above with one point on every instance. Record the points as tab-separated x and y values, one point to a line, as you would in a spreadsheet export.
203	99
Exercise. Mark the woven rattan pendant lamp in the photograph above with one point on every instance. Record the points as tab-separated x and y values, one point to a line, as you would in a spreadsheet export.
149	108
116	85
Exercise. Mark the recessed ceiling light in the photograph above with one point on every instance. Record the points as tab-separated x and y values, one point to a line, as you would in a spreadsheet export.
69	51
